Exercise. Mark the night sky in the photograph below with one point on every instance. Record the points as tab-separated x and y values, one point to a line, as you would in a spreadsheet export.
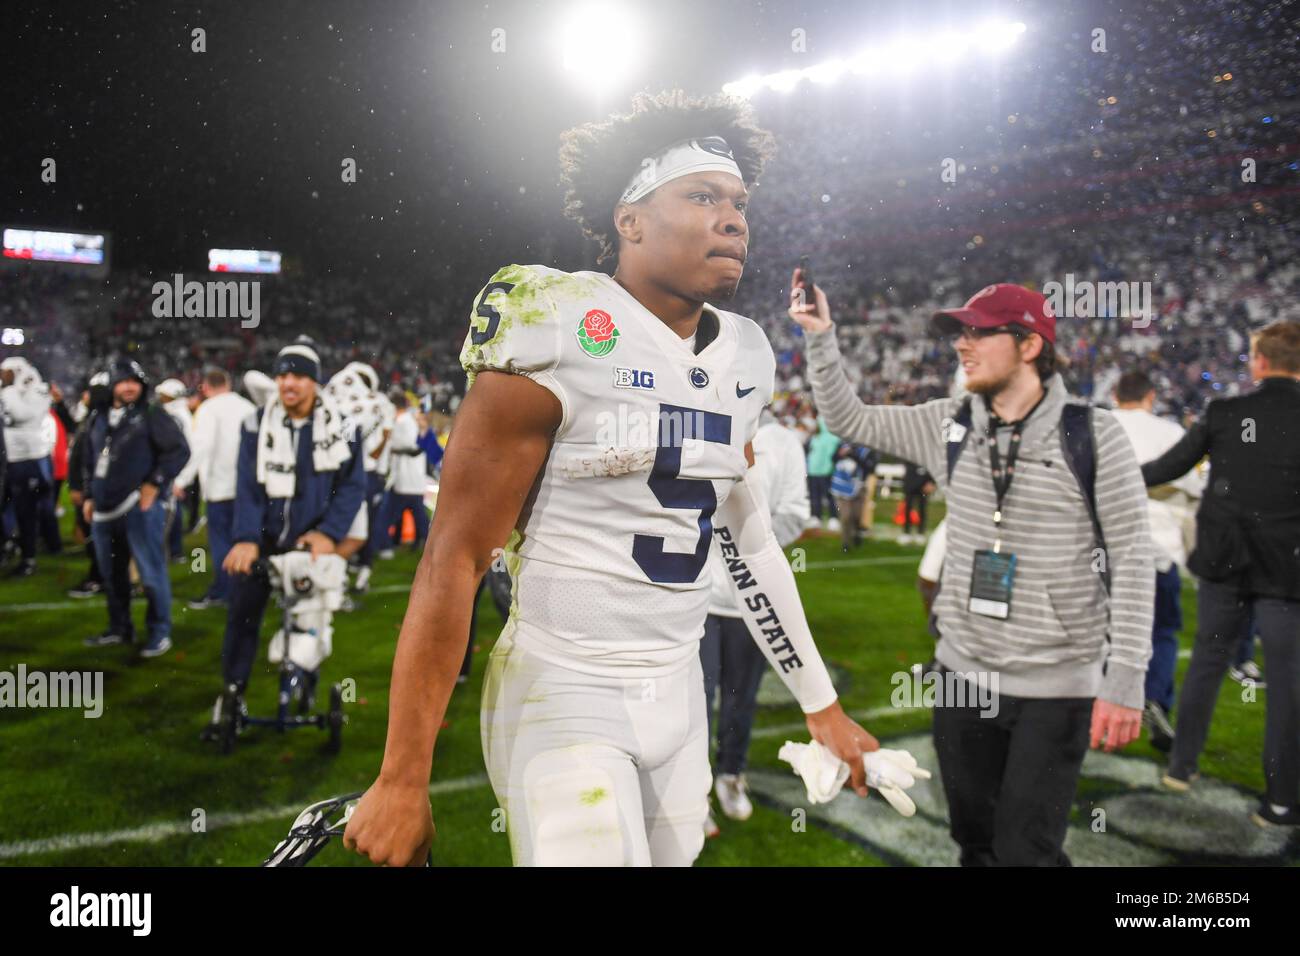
173	151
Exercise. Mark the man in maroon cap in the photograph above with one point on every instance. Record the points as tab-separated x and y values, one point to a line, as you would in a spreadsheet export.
1047	590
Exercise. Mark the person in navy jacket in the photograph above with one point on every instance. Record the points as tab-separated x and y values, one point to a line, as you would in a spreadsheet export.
134	451
300	482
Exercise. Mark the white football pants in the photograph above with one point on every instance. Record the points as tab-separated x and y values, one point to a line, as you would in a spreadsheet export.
595	771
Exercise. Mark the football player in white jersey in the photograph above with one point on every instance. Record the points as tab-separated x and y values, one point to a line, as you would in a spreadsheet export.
606	434
353	388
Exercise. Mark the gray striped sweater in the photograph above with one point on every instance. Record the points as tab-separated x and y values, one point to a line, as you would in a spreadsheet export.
1054	642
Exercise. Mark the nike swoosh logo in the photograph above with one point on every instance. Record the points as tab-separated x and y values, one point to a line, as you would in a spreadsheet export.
742	392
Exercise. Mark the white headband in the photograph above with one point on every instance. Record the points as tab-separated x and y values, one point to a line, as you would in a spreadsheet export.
709	154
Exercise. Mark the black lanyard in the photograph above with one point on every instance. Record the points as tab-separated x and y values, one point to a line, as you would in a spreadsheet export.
1004	473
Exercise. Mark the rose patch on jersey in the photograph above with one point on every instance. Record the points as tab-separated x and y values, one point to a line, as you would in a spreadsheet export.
597	333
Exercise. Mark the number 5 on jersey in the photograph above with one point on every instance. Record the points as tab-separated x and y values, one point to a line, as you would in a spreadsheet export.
676	424
483	310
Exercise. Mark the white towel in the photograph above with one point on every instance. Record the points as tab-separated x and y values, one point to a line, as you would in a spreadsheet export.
276	460
889	771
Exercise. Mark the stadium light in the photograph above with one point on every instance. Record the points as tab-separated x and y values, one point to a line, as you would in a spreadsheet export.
896	58
601	42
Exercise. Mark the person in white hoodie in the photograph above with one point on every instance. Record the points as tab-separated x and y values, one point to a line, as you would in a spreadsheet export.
730	658
172	393
25	399
410	474
353	388
1152	436
216	460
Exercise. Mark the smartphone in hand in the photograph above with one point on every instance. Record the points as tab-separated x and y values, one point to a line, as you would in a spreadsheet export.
803	293
805	274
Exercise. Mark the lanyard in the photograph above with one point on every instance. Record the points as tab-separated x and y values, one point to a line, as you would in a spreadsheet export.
1002	474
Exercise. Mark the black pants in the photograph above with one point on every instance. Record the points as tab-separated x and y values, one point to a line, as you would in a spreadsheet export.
1010	779
247	604
27	484
93	573
1221	615
914	501
819	494
732	664
47	521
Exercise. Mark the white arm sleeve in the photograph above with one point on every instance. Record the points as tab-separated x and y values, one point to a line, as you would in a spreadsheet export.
766	596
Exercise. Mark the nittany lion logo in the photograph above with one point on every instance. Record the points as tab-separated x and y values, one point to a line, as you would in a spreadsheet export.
715	145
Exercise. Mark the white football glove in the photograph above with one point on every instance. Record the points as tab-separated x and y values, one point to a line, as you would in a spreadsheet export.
892	772
824	774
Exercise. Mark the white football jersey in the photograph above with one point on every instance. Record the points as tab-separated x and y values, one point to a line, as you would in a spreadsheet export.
610	563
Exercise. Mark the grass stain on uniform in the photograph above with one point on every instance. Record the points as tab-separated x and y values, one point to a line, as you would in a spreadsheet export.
589	798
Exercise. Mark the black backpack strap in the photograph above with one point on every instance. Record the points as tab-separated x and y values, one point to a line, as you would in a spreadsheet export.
955	446
1080	452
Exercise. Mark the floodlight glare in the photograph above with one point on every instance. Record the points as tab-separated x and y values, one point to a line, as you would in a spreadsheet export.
895	59
601	41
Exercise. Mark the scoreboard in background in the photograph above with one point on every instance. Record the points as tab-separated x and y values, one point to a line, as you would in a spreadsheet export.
243	260
73	249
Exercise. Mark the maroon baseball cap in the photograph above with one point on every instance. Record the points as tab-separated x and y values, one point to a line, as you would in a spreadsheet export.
1003	304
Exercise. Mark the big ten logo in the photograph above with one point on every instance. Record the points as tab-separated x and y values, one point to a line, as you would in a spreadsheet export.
498	820
198	820
349	688
798	560
199	561
632	427
498	44
633	378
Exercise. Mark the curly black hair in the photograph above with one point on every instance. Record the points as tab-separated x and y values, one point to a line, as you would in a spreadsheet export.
598	159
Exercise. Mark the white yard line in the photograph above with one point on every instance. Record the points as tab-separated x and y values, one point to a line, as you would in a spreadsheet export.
156	832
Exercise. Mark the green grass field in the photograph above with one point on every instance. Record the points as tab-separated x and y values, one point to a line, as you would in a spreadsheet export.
125	789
